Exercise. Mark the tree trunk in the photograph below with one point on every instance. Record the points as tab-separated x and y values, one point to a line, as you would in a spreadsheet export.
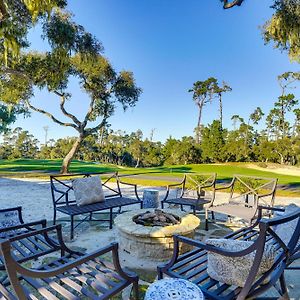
221	110
137	163
198	129
67	160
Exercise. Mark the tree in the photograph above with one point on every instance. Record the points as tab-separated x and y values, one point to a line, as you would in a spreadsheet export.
19	144
74	54
17	17
229	4
285	102
255	117
296	127
137	147
282	28
8	115
212	142
202	94
235	119
219	90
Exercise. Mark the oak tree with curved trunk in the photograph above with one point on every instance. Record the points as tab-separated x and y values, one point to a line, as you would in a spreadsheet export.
74	54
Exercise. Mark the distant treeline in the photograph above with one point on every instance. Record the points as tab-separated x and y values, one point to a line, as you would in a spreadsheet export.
242	144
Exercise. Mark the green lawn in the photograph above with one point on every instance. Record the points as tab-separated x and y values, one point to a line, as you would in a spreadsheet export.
289	185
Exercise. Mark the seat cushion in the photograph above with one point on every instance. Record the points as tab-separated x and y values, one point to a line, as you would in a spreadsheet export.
243	212
235	270
88	190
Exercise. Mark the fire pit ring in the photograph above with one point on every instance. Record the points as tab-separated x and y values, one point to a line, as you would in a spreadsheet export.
153	243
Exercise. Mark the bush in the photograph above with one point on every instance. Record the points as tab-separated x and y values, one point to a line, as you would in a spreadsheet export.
262	165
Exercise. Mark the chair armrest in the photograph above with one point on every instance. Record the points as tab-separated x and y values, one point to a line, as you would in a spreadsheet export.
171	185
215	249
280	219
175	184
261	207
5	247
265	195
134	186
223	187
42	222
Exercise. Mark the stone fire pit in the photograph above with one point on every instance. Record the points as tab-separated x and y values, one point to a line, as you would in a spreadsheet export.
154	243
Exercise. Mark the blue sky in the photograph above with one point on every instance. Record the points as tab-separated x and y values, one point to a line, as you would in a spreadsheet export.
170	44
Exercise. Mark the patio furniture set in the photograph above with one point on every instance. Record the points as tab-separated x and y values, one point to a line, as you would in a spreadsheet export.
35	262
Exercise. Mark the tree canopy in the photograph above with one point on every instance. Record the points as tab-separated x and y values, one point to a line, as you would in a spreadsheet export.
283	29
75	54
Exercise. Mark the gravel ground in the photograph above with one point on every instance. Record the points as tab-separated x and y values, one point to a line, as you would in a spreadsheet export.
35	198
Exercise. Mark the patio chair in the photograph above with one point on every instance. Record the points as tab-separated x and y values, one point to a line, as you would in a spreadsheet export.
68	275
194	265
12	224
195	191
246	193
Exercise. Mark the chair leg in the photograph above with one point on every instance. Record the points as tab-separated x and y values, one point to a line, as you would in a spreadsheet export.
162	204
213	215
91	216
181	206
159	273
206	219
120	208
54	217
194	210
136	290
110	218
72	227
283	287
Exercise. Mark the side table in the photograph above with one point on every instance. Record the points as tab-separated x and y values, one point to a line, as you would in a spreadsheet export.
150	198
173	289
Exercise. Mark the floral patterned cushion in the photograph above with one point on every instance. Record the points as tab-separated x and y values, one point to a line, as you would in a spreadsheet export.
235	270
8	219
88	190
286	230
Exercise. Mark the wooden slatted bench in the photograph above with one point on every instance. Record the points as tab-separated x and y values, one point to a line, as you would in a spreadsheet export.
61	189
69	275
192	265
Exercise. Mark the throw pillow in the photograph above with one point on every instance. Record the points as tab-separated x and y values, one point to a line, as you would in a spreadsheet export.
88	190
235	270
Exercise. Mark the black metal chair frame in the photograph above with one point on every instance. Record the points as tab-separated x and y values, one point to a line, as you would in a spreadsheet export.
193	264
257	197
55	278
63	204
33	247
197	203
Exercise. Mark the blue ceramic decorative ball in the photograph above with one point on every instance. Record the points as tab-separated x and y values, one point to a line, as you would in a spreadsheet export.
173	289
